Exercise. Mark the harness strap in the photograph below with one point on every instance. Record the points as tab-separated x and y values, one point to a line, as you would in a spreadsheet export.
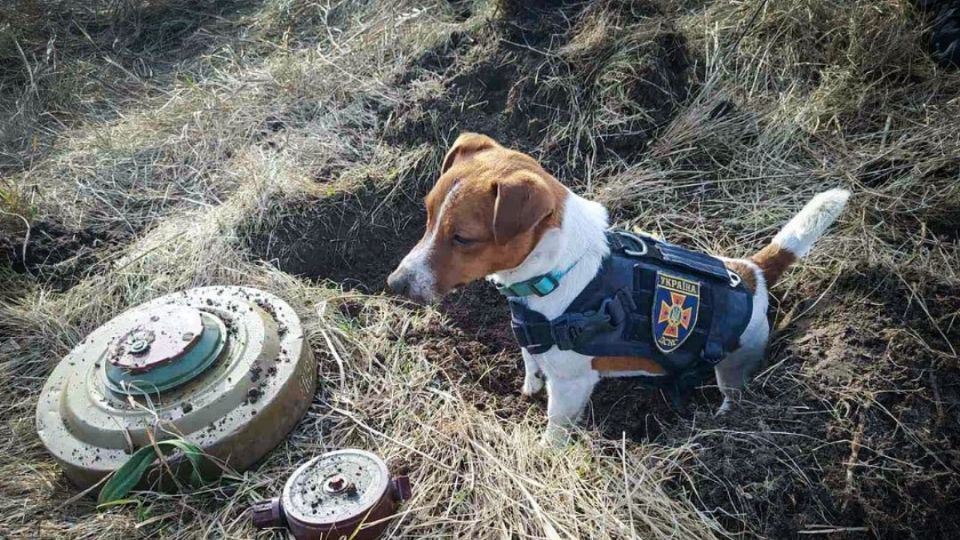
713	350
536	334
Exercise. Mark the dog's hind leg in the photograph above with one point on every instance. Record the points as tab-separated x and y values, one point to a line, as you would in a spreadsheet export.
734	372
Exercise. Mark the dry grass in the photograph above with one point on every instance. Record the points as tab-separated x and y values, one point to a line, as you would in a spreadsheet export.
213	126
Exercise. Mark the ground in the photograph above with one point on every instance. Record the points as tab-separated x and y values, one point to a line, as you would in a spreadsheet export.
152	146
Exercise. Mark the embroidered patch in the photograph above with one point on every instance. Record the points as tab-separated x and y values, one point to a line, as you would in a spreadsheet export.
676	302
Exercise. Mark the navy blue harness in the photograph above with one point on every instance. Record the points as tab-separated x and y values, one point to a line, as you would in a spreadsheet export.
652	299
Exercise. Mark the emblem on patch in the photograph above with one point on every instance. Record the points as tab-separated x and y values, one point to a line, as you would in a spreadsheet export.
676	302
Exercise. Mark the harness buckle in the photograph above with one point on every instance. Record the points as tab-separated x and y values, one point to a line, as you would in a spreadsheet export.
574	329
545	285
570	331
522	335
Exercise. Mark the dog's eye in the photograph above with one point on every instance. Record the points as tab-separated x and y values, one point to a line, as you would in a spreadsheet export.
461	241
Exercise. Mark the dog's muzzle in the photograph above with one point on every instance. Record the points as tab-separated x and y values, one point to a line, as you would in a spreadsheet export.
406	283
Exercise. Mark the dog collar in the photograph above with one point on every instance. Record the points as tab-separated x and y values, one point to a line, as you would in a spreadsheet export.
541	285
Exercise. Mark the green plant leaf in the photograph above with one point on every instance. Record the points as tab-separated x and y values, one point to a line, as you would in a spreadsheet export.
192	453
125	478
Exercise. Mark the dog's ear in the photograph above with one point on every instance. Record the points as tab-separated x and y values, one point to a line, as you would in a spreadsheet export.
523	201
465	147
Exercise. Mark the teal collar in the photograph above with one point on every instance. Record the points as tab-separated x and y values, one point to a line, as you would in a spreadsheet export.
541	285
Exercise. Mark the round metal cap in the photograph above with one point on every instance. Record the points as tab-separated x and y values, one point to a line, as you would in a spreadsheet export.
162	348
335	488
223	367
153	337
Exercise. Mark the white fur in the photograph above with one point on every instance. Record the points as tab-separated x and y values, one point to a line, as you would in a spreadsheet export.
581	239
799	234
733	372
416	264
570	378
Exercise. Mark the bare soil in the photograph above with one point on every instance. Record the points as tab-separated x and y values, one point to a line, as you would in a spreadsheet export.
56	254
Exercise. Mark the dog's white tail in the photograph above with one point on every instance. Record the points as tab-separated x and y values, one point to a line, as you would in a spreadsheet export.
797	237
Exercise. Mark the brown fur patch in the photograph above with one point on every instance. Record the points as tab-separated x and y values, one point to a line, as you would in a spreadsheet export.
626	363
465	147
773	260
503	204
745	271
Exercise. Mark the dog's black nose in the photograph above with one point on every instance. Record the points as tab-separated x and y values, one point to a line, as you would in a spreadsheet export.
398	283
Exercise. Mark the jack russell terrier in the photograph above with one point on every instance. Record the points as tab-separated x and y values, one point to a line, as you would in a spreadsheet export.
589	302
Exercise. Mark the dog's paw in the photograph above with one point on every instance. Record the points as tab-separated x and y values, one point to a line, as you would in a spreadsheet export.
532	383
725	407
555	437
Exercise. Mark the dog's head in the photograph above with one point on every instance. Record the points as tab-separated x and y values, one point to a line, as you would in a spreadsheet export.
487	211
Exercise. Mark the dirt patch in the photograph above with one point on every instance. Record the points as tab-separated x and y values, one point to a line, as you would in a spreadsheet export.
536	80
489	378
624	407
853	428
355	239
945	223
57	255
472	345
482	313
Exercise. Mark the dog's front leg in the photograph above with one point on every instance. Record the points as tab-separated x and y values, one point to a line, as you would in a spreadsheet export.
566	399
532	376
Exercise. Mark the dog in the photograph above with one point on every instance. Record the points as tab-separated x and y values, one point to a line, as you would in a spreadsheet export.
496	213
